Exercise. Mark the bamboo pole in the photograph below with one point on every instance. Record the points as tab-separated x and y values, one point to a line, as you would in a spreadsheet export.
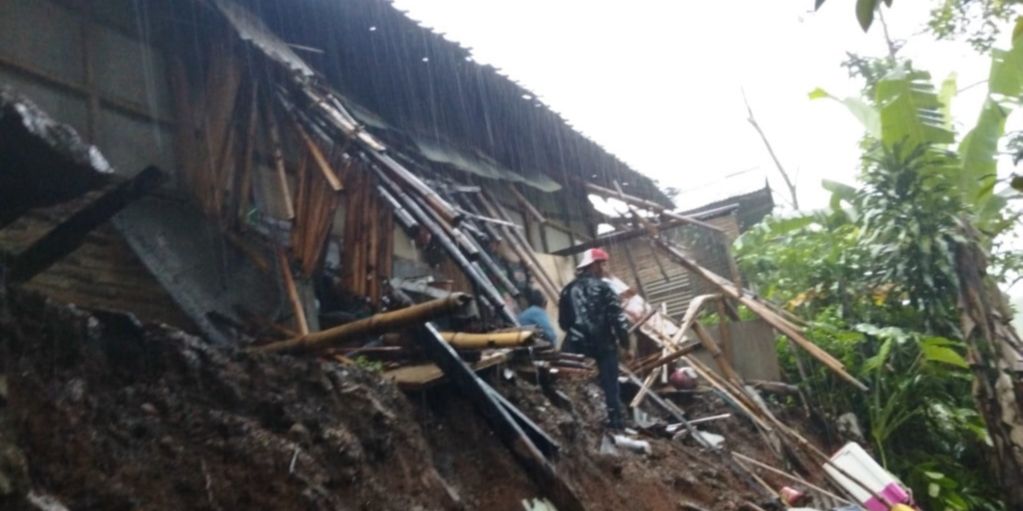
723	387
642	321
522	248
529	207
644	388
472	271
664	359
719	357
798	480
376	324
691	314
472	341
321	161
296	302
768	315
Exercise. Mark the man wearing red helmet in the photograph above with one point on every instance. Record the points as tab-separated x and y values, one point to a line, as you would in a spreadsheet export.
591	315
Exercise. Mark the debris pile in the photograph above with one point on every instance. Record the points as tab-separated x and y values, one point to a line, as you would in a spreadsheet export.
99	411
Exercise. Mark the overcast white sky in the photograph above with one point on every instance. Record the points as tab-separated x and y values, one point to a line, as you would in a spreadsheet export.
658	82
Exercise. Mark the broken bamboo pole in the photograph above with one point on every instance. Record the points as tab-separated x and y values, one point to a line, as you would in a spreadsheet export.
522	248
405	218
719	357
765	312
318	157
682	351
376	324
798	480
741	401
528	206
472	271
475	341
642	321
297	308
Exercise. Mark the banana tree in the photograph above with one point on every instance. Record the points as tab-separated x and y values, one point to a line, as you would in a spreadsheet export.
909	112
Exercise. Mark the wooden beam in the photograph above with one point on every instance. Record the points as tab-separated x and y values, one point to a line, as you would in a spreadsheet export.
71	233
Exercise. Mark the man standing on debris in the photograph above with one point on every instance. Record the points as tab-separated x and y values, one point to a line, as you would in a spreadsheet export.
593	320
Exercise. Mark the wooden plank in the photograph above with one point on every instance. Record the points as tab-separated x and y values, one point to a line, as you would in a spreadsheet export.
71	233
427	374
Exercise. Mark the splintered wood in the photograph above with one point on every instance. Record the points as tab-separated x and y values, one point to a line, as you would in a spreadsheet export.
367	244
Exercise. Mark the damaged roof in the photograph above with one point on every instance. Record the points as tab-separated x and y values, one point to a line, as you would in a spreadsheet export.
405	75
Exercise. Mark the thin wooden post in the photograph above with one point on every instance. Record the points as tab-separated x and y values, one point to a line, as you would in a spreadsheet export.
297	308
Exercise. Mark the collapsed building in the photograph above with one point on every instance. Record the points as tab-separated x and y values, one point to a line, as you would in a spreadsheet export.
334	179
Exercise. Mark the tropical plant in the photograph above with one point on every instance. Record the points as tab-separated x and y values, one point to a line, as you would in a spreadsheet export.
881	275
979	22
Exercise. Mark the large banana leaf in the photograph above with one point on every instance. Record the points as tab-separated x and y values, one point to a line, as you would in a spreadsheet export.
979	148
911	113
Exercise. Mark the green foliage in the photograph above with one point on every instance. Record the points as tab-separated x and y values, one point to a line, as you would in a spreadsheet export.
911	114
979	22
865	12
907	214
374	366
875	275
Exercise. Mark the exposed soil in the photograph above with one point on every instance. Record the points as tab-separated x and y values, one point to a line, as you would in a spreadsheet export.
100	412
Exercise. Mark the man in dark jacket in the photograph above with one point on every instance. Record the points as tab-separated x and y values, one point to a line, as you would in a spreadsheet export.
591	315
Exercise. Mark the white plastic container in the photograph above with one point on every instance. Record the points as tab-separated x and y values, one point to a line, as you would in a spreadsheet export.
855	461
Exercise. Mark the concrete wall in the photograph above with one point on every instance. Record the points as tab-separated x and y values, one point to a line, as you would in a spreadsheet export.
97	76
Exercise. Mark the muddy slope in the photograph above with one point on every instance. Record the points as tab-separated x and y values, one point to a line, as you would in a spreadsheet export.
99	412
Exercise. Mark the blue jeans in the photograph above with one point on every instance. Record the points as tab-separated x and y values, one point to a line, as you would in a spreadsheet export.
607	378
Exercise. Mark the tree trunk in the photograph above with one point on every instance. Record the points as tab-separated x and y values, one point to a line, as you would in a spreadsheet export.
993	351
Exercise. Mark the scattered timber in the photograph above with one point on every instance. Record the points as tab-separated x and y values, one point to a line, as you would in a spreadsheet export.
376	324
